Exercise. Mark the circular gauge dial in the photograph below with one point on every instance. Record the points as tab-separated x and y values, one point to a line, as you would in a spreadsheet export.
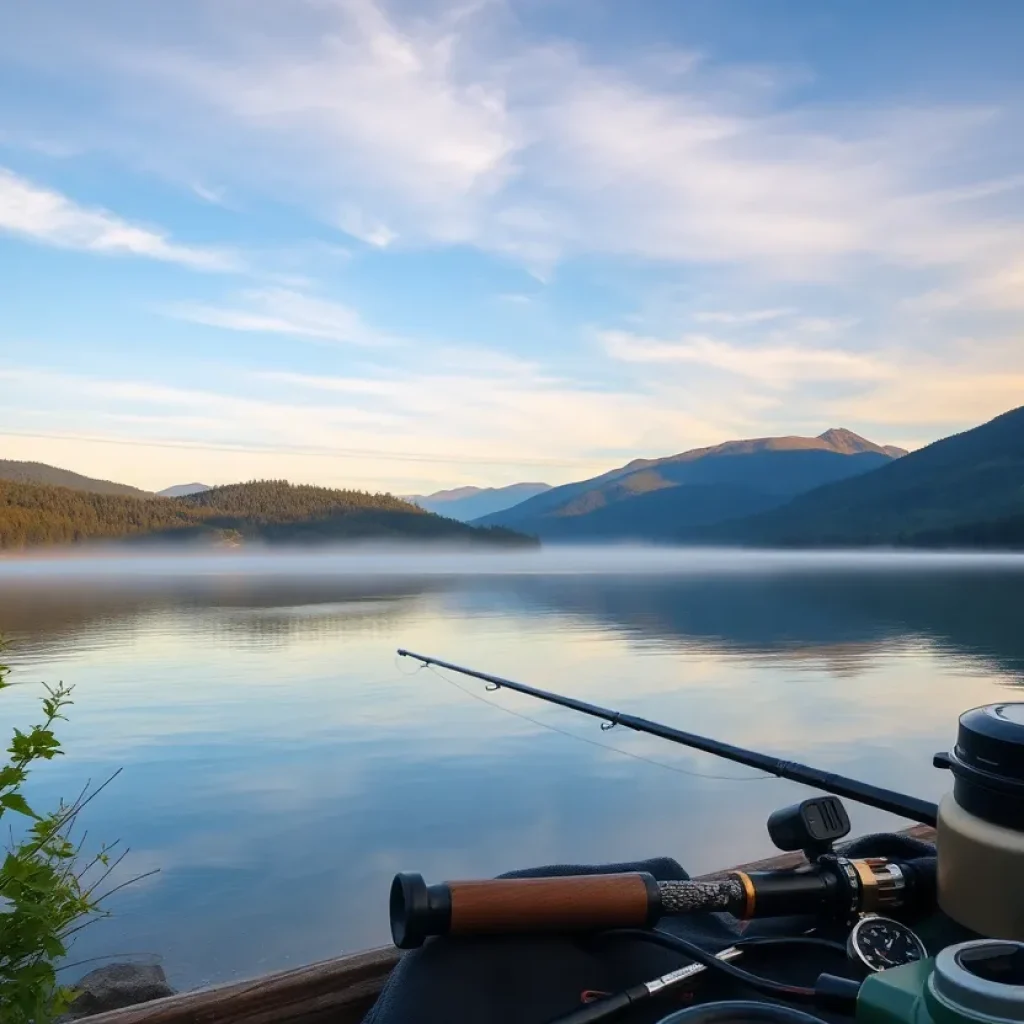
879	943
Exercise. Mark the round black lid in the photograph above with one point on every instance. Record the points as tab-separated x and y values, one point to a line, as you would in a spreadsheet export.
991	740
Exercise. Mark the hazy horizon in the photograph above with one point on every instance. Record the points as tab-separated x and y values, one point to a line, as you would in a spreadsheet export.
444	487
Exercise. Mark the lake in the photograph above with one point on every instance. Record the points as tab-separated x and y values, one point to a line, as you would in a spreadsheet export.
280	764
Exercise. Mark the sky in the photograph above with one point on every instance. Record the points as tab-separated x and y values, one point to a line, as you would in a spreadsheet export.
413	245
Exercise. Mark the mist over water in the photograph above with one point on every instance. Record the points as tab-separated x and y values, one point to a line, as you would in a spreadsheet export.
280	763
376	560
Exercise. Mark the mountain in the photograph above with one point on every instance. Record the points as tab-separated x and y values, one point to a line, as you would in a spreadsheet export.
271	511
658	499
51	476
965	489
180	490
466	503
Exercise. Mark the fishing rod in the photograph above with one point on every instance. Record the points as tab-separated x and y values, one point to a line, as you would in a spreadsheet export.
973	880
913	808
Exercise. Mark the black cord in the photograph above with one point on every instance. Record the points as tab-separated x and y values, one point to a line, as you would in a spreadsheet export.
794	993
791	940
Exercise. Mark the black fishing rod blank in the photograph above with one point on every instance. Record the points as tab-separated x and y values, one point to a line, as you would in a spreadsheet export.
923	811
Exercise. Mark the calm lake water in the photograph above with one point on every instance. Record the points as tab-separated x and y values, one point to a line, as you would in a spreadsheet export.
280	764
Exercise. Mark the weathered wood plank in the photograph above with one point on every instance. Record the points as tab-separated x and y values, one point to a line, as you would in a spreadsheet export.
340	991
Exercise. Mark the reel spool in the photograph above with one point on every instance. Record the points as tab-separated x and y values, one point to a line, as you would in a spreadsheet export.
980	828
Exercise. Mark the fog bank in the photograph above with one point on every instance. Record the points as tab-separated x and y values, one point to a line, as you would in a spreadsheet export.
409	562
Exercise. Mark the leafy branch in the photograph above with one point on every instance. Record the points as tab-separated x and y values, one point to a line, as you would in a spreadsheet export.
47	893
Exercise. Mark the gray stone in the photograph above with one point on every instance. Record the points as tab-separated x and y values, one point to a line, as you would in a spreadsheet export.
117	985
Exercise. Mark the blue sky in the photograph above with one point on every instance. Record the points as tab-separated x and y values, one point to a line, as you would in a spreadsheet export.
414	245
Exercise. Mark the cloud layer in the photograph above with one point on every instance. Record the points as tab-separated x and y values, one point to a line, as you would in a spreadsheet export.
284	311
458	127
717	249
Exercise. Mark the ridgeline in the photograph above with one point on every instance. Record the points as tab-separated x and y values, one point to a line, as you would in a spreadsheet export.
660	499
51	476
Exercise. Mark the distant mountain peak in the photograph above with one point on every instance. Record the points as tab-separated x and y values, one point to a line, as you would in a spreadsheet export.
846	442
469	491
183	490
454	494
466	503
838	434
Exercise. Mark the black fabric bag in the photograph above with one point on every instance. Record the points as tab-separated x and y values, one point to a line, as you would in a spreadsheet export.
535	979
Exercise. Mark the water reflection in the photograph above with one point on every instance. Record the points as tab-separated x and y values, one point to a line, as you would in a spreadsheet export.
280	765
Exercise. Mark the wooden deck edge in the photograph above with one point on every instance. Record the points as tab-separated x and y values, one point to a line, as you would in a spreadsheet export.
340	990
344	987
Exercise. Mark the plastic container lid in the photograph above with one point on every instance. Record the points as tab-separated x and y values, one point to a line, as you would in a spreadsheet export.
991	739
988	763
983	979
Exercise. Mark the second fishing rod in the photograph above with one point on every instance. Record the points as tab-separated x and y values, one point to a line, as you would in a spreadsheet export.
829	887
913	808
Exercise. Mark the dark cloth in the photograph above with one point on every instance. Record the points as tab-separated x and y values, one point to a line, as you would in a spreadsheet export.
535	979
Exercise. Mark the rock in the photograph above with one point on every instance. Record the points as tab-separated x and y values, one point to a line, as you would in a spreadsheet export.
117	985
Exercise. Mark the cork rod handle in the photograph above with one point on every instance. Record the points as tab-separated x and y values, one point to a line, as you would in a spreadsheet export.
571	903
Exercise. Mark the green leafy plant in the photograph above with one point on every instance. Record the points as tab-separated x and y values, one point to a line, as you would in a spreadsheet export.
48	889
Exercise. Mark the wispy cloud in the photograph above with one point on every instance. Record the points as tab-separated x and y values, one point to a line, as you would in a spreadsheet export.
1000	287
753	316
929	395
377	119
215	196
50	218
786	364
356	223
56	148
284	311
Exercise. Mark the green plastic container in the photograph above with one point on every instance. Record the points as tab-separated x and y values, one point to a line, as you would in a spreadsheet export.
980	982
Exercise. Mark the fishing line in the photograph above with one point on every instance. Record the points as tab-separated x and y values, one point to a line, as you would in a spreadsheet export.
584	739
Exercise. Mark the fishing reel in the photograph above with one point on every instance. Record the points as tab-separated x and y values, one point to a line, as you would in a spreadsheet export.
850	887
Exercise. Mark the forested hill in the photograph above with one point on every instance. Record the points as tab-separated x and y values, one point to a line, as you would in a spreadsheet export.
275	510
281	501
32	515
269	511
51	476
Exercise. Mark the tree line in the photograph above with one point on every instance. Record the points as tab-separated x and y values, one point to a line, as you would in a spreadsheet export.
270	510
